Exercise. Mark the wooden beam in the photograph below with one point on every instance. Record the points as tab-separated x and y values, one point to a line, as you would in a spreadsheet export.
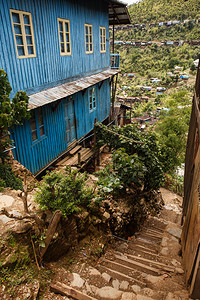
57	104
65	290
140	265
122	276
154	262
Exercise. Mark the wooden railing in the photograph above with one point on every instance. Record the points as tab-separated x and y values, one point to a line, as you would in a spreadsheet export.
191	204
114	60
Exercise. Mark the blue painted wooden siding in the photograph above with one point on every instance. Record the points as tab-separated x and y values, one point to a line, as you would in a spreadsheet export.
49	67
85	118
36	155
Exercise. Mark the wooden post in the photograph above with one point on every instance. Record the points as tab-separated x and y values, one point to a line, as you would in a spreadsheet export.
50	231
95	133
79	158
98	157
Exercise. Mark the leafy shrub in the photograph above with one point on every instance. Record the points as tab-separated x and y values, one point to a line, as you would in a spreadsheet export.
8	178
141	161
66	192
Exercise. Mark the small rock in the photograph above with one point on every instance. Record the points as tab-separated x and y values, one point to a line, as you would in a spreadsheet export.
88	288
77	281
175	232
94	272
164	241
128	296
154	279
179	270
115	284
171	296
93	288
124	285
148	292
136	288
108	293
106	215
175	262
106	277
164	251
141	297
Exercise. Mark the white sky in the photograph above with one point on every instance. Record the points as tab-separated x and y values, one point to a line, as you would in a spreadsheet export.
130	1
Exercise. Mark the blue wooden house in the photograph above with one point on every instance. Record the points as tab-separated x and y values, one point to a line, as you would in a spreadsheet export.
58	52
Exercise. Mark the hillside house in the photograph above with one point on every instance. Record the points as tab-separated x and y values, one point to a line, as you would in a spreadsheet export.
58	52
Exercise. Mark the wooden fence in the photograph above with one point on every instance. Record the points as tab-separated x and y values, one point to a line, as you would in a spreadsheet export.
191	203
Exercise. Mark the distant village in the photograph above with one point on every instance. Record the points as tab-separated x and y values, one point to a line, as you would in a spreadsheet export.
166	23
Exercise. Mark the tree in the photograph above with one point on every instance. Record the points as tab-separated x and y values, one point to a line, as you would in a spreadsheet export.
12	112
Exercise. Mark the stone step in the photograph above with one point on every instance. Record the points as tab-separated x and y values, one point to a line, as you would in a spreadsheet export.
122	276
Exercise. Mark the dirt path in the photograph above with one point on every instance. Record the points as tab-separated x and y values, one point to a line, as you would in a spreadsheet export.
144	267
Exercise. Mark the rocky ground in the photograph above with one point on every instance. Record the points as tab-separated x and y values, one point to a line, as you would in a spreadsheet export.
146	266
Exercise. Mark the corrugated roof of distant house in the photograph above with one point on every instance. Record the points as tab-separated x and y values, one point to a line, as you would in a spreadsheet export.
67	89
118	13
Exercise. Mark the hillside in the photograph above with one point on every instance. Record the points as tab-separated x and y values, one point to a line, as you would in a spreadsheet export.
151	11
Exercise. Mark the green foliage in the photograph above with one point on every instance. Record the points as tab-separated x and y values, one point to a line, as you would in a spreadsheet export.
12	112
108	182
153	11
8	178
65	192
138	163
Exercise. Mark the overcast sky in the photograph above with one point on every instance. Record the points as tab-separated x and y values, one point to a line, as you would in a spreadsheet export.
130	1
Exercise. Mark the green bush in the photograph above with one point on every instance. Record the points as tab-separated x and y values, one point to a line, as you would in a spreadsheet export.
65	192
142	160
8	178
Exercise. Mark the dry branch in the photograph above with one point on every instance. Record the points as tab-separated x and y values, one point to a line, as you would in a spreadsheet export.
20	218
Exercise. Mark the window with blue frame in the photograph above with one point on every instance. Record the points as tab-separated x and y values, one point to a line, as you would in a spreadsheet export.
37	125
92	99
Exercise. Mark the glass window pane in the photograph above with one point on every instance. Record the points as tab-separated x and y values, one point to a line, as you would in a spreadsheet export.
28	30
29	40
90	39
86	29
15	18
60	26
66	27
40	117
67	37
33	125
42	131
34	135
90	29
19	40
62	47
61	37
17	29
20	50
86	39
30	50
26	19
68	47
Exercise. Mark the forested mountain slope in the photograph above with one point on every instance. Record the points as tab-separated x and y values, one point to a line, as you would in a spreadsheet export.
148	11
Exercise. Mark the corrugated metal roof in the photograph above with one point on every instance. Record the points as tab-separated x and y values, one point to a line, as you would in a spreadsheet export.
67	89
118	13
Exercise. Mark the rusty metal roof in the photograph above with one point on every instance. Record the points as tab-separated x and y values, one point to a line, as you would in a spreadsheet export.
118	13
67	89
